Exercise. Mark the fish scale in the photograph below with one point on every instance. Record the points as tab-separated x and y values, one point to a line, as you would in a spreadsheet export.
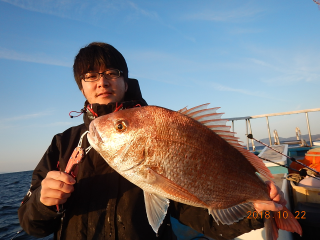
171	155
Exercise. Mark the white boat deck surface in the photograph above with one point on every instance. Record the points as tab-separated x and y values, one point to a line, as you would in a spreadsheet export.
274	156
316	143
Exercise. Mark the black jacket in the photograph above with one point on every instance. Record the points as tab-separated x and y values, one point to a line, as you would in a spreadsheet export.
105	205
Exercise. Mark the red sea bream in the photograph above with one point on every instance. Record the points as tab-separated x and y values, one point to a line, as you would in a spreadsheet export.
189	156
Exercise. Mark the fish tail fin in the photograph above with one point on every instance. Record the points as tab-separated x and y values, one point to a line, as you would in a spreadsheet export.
286	221
271	227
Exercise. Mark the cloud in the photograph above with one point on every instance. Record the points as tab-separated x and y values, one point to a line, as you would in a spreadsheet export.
241	13
245	31
36	6
27	116
71	123
143	12
70	9
286	65
11	122
85	11
34	57
288	69
46	6
153	15
169	67
263	63
79	9
223	88
293	77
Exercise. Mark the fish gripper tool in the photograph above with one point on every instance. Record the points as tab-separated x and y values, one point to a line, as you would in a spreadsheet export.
72	167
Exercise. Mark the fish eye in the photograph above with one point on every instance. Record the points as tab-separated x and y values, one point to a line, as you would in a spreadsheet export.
120	125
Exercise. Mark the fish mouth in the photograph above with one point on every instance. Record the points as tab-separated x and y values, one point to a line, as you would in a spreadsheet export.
94	137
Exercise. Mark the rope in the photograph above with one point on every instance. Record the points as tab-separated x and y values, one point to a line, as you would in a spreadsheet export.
294	177
83	110
291	158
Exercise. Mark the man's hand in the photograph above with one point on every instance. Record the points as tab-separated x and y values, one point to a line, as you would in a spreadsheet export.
56	188
277	197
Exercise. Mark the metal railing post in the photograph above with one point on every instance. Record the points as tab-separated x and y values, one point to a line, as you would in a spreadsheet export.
252	142
232	125
310	138
247	134
270	143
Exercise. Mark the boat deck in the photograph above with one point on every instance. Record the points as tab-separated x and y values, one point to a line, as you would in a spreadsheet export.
278	179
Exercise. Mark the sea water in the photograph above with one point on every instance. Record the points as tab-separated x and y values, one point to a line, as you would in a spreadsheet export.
13	187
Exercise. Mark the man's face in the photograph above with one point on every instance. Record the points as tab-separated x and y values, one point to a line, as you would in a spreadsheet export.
104	91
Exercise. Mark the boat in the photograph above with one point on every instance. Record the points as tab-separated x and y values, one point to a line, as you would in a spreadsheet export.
296	149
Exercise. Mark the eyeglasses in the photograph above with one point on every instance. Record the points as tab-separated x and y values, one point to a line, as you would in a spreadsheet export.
95	76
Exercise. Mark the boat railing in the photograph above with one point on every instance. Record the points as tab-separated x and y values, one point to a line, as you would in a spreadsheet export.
276	137
249	129
299	140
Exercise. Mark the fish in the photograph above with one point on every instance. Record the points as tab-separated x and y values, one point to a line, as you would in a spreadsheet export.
189	156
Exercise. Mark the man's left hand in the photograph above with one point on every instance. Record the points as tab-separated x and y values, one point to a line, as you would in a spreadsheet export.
277	197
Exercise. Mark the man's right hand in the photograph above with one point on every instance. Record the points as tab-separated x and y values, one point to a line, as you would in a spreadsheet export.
56	188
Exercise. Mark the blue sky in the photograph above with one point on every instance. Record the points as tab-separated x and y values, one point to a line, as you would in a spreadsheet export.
247	57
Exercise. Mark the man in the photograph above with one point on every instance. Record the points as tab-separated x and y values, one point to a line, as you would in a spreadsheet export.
99	203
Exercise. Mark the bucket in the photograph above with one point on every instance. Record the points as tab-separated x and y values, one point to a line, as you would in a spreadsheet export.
305	194
311	159
313	156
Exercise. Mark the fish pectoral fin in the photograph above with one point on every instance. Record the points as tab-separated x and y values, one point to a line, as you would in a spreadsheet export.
233	214
170	188
156	207
152	176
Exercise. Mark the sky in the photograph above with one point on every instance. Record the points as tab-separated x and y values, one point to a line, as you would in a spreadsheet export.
247	57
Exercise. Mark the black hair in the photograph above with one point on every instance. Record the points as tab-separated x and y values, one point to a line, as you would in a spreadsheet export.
95	55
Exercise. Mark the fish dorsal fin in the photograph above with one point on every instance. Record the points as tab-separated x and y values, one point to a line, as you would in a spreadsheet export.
215	122
219	127
156	207
194	109
211	119
182	110
231	215
200	113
